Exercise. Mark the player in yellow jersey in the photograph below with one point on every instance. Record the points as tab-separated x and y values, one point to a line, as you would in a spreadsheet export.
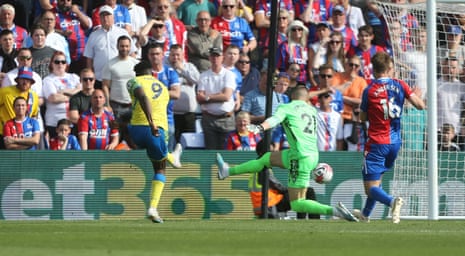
148	126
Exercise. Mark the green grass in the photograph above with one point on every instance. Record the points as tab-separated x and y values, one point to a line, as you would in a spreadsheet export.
232	237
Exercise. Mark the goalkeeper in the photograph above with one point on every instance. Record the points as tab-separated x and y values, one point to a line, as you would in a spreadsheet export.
298	119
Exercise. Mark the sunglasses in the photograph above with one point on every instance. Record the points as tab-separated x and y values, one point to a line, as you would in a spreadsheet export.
87	79
335	42
338	13
325	76
355	65
297	29
157	26
294	69
59	62
228	6
24	57
326	96
244	62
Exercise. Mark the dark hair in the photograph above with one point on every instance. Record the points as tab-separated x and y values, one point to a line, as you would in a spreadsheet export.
123	37
366	28
19	98
143	68
64	121
6	32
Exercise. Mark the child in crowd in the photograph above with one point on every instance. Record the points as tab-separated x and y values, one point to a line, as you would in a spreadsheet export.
64	139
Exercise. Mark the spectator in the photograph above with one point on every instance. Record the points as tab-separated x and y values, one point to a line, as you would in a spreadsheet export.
447	136
334	53
263	43
115	75
7	52
102	44
97	127
72	22
329	126
294	50
170	79
187	12
120	14
453	46
255	100
24	59
365	50
451	97
21	132
250	75
24	81
138	20
54	39
186	106
338	18
235	30
41	54
243	10
294	72
241	138
229	62
200	39
80	102
64	139
317	51
156	29
351	85
215	94
325	84
175	30
7	16
354	15
262	21
58	87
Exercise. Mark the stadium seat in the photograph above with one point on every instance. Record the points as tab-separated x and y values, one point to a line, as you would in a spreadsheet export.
192	140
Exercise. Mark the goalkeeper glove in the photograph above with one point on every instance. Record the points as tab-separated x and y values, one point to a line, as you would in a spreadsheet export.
256	129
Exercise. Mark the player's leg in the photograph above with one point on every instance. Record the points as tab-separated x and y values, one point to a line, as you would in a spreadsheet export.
266	160
299	176
157	151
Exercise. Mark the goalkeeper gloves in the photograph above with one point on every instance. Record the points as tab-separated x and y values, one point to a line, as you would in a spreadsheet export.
256	129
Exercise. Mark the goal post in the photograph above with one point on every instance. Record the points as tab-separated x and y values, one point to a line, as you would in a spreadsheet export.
432	182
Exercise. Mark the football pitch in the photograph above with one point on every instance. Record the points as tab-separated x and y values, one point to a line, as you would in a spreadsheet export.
232	237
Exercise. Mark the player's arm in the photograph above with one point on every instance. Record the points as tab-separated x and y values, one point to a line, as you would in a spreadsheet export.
417	102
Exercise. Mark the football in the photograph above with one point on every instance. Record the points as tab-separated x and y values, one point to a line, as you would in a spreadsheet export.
323	173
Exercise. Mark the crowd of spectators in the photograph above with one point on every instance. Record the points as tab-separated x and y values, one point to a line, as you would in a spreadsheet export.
213	56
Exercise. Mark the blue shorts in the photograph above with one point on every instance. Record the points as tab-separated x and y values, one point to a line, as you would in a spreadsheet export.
380	158
156	147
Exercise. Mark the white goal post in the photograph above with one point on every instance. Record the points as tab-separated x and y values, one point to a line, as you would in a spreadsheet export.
431	181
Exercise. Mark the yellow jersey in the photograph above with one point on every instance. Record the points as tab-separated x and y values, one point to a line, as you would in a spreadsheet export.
7	97
158	95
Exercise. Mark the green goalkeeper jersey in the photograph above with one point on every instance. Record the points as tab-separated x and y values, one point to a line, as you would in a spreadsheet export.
299	120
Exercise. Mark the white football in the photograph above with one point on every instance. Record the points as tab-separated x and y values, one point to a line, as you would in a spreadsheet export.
323	173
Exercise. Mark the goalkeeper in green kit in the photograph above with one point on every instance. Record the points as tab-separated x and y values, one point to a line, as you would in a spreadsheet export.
299	120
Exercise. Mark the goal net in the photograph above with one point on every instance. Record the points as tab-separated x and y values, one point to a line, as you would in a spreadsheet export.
408	36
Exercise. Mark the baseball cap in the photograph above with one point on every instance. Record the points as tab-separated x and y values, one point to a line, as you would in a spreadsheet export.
105	8
26	73
339	8
215	50
454	29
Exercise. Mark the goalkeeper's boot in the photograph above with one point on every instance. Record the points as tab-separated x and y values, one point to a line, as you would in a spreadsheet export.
395	209
359	215
223	168
343	212
152	214
177	152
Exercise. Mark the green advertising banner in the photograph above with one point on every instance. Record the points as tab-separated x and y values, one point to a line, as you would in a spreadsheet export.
93	185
